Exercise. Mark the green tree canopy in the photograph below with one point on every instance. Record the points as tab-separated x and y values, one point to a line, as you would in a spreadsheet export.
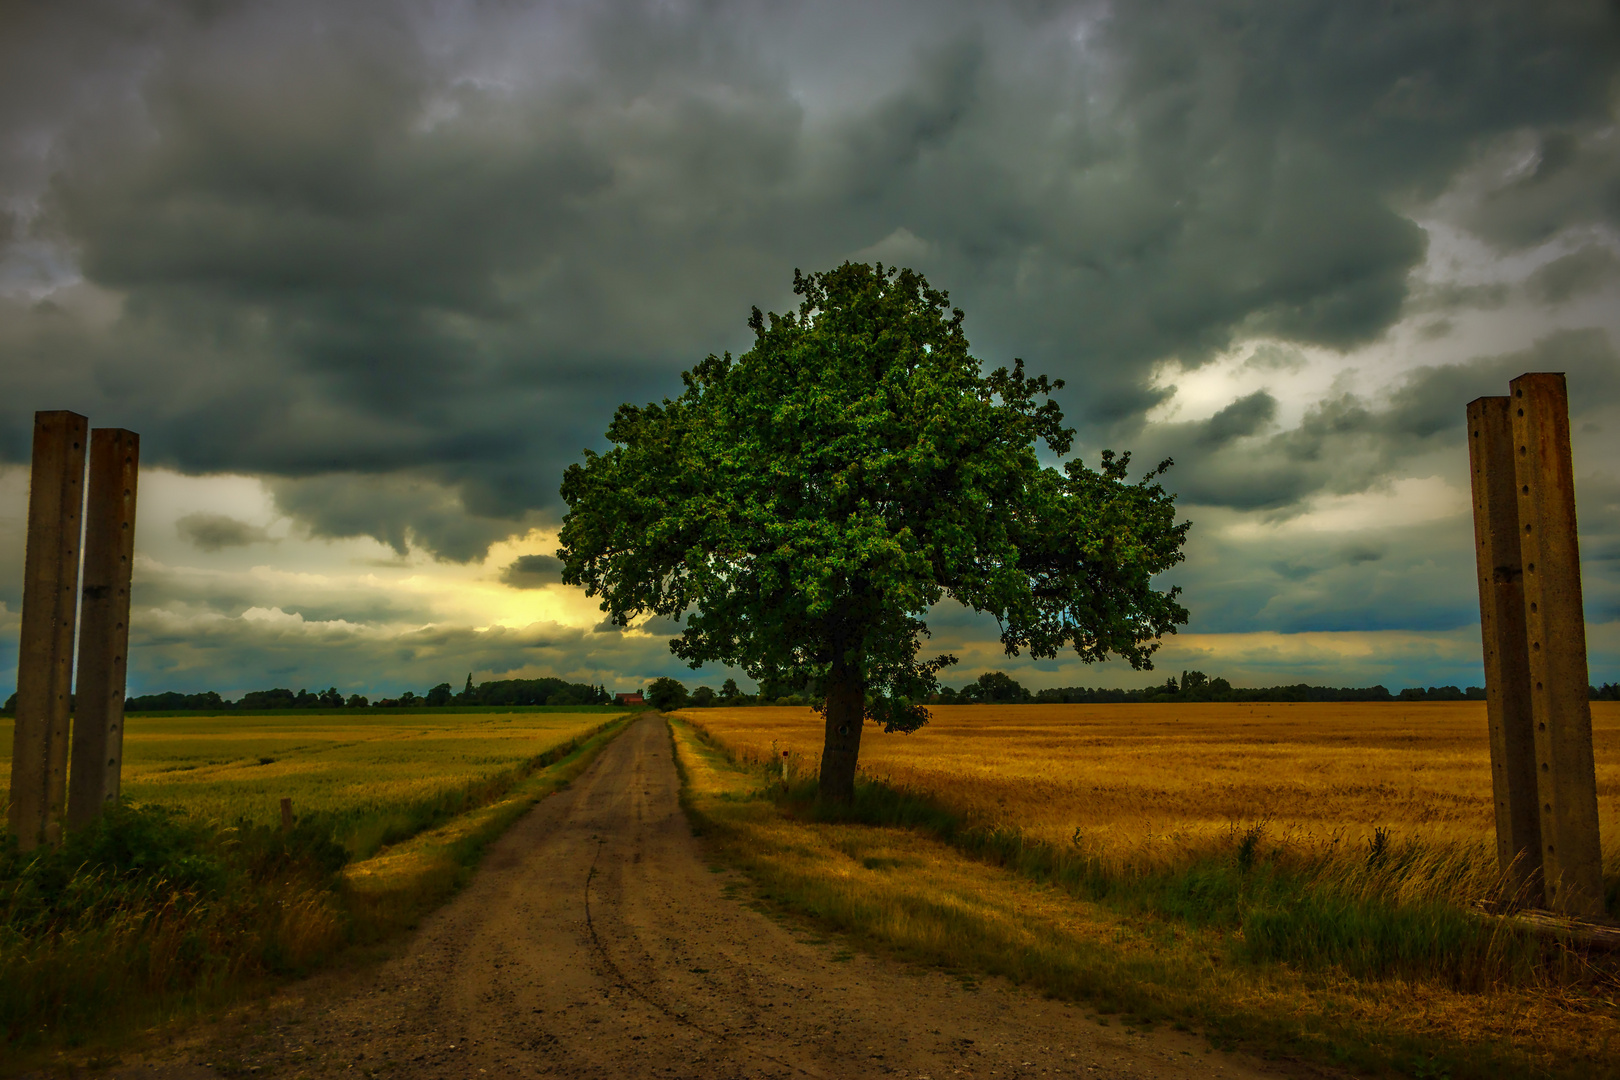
804	505
666	694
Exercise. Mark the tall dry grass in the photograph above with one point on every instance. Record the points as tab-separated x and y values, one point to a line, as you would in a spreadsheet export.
1253	946
1354	838
1392	800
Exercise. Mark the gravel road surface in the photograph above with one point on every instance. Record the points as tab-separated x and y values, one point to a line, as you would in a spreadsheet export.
596	942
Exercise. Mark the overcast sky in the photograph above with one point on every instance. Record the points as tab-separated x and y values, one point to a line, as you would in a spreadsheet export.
367	277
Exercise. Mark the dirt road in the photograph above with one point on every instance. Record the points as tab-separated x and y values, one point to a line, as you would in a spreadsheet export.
594	942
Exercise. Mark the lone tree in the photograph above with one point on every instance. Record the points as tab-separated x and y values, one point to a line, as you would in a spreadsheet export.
806	504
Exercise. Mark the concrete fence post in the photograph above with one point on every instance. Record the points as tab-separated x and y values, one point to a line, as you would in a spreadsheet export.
1555	628
1506	652
45	649
109	552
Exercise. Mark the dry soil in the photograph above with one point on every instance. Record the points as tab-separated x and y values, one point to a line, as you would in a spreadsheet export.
596	942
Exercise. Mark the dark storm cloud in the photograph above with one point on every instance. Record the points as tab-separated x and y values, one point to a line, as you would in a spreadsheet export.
215	532
532	571
1573	179
409	267
1245	416
1575	274
396	509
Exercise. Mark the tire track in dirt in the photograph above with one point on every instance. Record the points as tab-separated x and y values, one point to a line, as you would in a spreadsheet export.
595	942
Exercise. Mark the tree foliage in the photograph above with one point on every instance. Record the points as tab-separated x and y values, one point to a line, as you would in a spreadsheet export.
804	505
666	694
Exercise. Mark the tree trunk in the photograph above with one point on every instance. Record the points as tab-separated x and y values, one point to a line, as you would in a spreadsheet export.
846	708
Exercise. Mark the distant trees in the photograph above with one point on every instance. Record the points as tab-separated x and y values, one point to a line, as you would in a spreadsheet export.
174	702
278	698
993	687
996	687
503	692
544	691
666	694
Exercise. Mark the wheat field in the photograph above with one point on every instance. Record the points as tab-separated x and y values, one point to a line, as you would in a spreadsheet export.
365	769
1152	783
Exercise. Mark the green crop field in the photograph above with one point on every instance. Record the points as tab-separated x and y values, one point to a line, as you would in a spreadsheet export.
371	775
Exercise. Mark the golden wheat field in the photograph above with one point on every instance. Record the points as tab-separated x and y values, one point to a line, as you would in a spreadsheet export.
362	767
1155	780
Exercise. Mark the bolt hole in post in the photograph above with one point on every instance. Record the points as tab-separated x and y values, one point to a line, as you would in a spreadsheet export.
1535	646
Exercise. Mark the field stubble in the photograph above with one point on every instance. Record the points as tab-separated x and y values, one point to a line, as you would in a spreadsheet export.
1141	787
1298	867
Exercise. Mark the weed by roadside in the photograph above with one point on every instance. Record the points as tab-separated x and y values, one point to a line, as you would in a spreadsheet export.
145	904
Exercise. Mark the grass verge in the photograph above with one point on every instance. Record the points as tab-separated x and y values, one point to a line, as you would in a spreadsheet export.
1222	950
149	917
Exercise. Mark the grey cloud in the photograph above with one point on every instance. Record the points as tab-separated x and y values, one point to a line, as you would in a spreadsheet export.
1574	274
659	626
320	244
1575	181
398	510
179	591
1294	582
215	532
1431	400
1271	357
532	571
1356	554
1245	416
1451	297
1347	443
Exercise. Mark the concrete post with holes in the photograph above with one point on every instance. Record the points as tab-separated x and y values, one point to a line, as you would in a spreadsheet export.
1555	628
109	552
1506	652
45	648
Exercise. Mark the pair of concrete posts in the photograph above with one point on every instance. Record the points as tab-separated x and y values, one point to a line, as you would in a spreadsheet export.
58	512
1534	632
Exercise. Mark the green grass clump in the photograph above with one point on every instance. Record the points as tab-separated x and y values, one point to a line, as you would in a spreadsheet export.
156	911
145	903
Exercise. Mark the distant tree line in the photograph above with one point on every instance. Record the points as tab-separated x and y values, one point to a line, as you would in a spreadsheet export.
991	688
999	688
996	687
499	692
